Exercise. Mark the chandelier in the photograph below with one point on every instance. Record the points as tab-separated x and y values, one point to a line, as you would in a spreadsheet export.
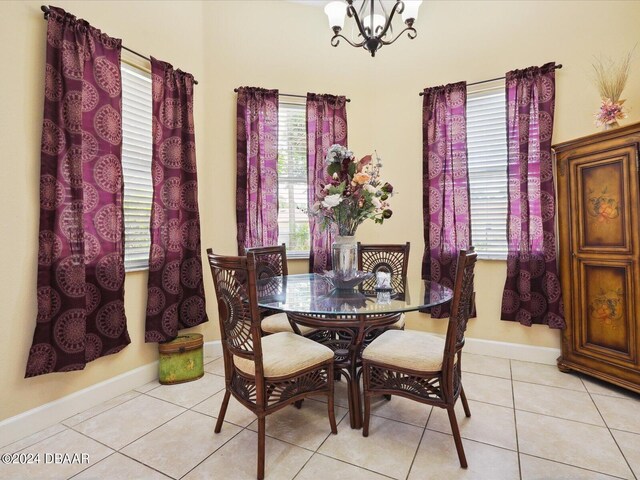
374	28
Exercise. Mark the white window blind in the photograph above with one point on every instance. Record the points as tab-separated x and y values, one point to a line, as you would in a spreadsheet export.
136	166
487	150
293	223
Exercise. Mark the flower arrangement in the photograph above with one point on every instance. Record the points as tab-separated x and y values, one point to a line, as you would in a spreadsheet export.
610	112
611	78
354	194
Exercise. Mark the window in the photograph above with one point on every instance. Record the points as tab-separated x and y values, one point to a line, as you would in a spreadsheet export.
136	166
487	150
293	222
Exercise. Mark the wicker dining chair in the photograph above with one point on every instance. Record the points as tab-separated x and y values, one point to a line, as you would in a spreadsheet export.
272	262
424	367
391	258
268	373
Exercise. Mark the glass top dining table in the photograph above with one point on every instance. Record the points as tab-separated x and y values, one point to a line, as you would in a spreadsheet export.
347	320
313	294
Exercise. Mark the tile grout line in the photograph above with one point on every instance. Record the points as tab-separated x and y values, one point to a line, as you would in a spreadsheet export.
573	466
91	466
609	430
216	450
100	413
515	420
413	460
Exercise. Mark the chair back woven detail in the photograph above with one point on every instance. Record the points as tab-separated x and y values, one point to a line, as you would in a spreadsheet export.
270	261
234	280
391	258
462	302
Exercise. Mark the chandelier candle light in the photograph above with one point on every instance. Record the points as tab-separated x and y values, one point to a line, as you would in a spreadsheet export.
375	29
354	193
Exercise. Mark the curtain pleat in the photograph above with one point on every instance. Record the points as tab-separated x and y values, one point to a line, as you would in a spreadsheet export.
532	292
257	168
80	292
446	207
175	297
326	126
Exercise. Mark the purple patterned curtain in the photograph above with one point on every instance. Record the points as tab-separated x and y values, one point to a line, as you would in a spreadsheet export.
532	290
326	125
445	194
257	168
175	290
81	246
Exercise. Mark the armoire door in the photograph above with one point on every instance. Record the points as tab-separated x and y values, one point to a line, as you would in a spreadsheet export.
604	251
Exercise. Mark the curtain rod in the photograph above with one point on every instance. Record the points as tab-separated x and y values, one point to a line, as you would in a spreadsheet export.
289	95
493	79
45	10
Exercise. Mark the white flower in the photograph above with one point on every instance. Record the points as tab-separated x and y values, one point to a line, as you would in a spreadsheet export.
331	201
376	202
370	188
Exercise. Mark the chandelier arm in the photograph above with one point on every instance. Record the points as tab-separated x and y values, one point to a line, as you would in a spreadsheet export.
335	41
351	12
398	7
411	33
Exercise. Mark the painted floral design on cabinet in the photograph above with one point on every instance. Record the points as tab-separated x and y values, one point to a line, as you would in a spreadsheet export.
607	307
603	205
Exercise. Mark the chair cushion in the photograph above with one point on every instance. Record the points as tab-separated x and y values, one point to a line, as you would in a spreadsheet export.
410	349
284	354
280	323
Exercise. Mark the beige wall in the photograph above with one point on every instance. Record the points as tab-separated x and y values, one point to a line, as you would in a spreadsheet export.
284	45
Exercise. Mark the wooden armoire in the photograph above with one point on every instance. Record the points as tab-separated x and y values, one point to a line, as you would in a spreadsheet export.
599	232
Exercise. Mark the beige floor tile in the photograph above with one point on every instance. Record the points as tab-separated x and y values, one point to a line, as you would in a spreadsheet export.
340	394
326	468
534	468
147	386
629	443
129	421
619	413
237	413
437	459
556	402
307	427
119	467
189	435
216	367
389	449
213	352
238	458
545	375
595	385
103	407
65	442
490	424
482	364
32	439
190	393
401	409
569	442
488	389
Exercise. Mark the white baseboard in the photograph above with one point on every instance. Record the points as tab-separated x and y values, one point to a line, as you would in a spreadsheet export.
39	418
513	351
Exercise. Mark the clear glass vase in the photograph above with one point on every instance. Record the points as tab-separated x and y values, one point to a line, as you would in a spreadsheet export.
344	256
